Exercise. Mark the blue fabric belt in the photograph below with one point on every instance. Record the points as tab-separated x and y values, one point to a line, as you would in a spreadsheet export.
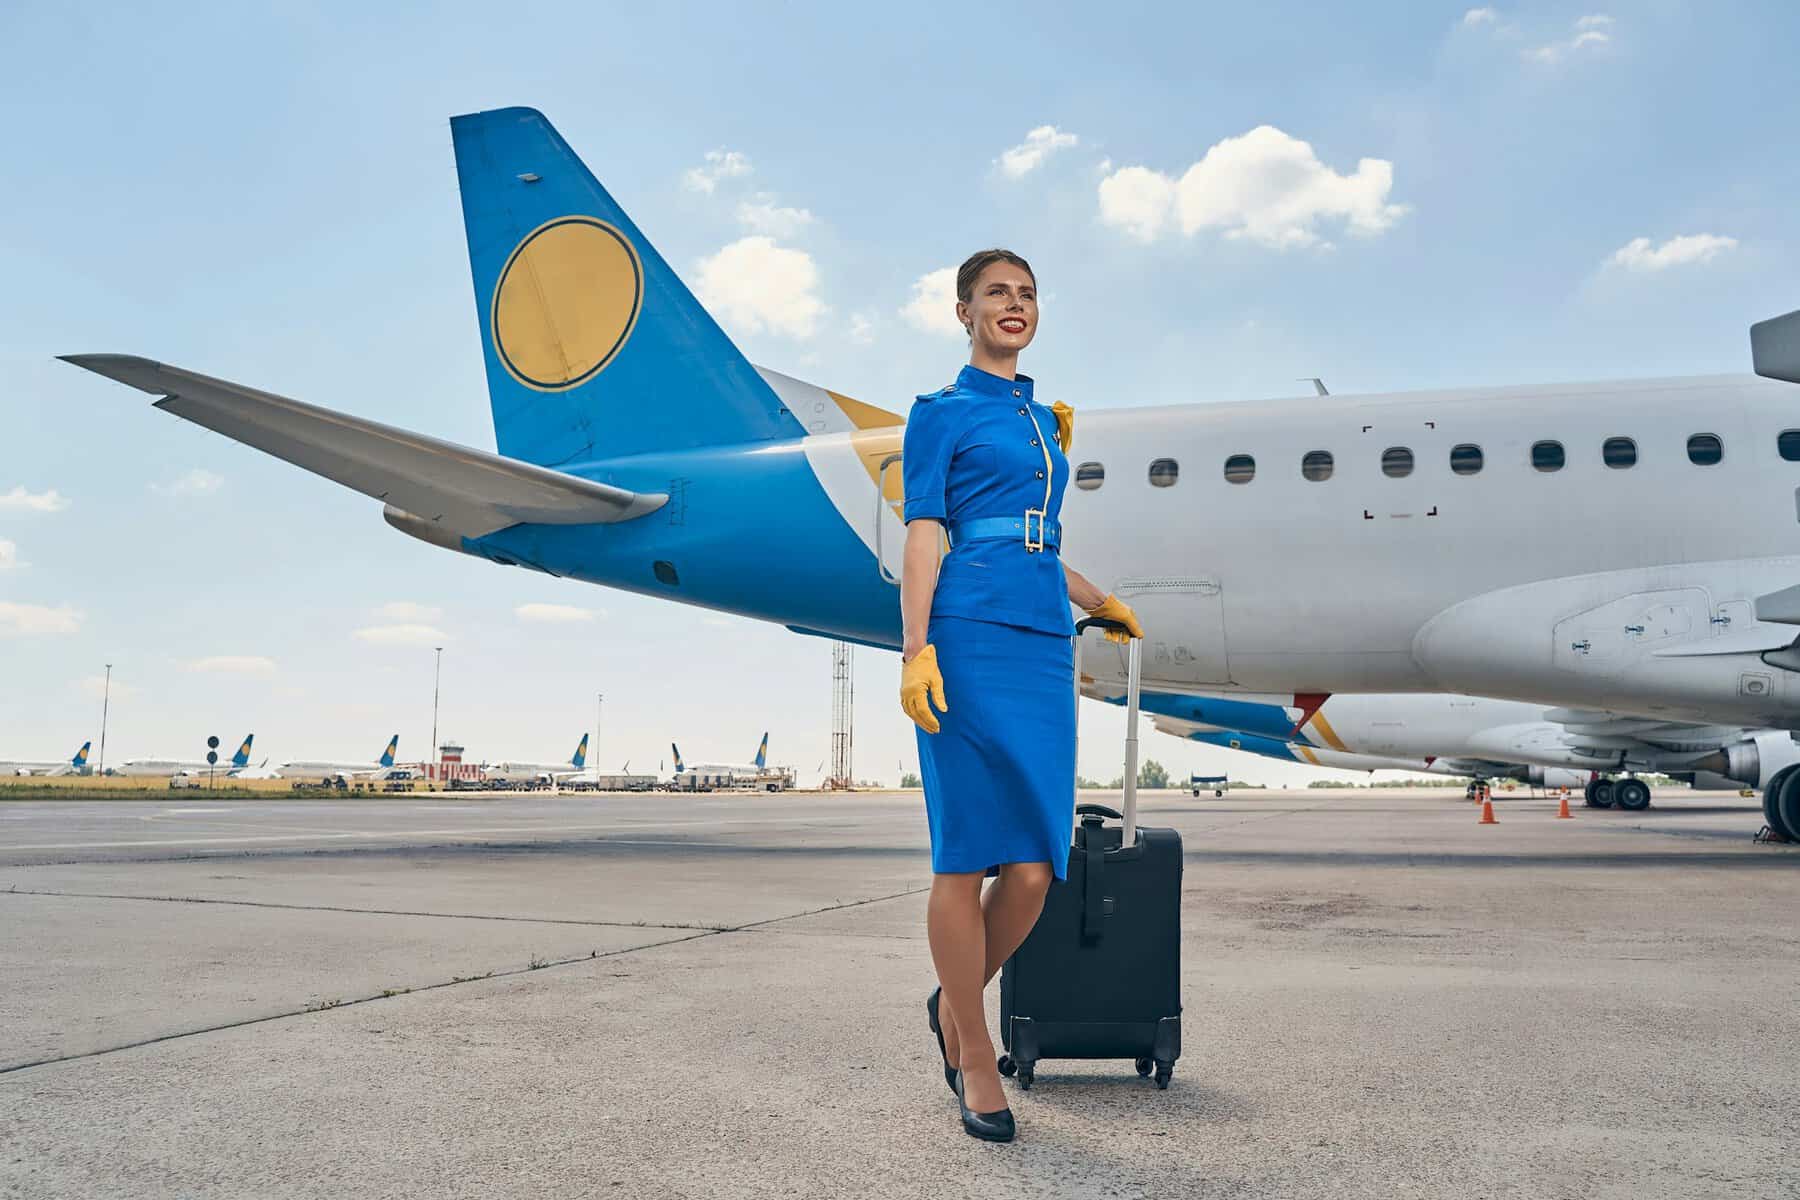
983	529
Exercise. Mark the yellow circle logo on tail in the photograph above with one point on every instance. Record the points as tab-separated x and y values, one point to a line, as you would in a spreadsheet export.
566	303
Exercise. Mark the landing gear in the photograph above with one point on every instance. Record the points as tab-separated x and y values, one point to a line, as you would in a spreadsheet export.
1600	793
1781	804
1632	795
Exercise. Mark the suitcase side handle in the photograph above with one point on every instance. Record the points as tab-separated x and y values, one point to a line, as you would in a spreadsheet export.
1098	810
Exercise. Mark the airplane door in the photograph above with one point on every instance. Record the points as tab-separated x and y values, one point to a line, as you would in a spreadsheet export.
1184	628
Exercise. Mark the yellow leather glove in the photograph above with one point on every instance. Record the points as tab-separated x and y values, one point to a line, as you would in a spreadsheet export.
1114	609
1065	425
920	684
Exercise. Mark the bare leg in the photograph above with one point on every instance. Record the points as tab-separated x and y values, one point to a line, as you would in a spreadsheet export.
1009	909
953	923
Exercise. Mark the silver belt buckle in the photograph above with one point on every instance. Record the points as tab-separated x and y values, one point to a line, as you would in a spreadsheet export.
1032	545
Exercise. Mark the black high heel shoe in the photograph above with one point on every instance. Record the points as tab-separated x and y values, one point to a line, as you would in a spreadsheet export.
988	1126
931	1011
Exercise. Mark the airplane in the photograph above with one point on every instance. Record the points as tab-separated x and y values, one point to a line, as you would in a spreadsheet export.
520	772
142	767
724	772
78	765
1498	737
1313	545
330	771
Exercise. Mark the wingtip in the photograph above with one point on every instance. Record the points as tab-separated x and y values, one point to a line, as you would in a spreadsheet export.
129	369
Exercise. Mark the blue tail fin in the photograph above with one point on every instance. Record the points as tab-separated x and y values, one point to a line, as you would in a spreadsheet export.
676	750
762	751
579	759
81	755
393	748
593	347
242	757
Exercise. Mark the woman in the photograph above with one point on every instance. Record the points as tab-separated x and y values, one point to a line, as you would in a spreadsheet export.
983	464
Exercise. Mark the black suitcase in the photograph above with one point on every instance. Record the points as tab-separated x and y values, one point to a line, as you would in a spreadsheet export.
1100	974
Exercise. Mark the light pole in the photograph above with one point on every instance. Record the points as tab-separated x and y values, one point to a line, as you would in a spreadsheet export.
437	676
105	704
599	709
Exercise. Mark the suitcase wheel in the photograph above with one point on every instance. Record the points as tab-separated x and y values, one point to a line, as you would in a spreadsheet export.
1143	1067
1163	1071
1026	1075
1006	1065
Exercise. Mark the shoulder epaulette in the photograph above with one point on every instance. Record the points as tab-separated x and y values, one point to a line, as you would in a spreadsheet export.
943	391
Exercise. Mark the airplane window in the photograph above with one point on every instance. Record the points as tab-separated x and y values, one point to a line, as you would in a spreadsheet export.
1396	462
1089	475
1619	453
1163	472
1240	468
1465	459
1789	444
1547	456
1316	465
1705	449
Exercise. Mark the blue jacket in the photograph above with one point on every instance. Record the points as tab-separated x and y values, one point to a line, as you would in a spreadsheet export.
972	451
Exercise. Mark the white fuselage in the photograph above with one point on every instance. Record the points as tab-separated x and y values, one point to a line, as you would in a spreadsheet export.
1630	590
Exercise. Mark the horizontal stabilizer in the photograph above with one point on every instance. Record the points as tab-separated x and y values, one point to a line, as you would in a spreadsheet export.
1775	347
463	491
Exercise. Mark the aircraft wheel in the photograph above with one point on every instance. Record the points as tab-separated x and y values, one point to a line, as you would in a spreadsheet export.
1771	799
1603	793
1587	793
1632	795
1787	808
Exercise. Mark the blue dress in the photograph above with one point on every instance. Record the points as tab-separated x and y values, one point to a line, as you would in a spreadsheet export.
999	774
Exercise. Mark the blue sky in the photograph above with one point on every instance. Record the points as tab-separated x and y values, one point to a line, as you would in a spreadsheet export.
269	196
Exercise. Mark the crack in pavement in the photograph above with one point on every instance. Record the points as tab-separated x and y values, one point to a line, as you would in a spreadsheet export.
376	912
391	993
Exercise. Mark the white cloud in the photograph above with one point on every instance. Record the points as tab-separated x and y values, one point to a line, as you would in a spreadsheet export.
30	620
1591	33
20	500
554	613
1137	200
1030	154
197	482
719	164
94	686
405	634
933	304
756	285
233	664
1263	186
9	555
763	215
1640	255
407	610
862	329
1480	16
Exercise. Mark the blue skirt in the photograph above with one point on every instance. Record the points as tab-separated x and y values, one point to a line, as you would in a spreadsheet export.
999	774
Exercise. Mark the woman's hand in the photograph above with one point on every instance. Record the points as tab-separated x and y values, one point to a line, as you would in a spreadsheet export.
1114	609
921	683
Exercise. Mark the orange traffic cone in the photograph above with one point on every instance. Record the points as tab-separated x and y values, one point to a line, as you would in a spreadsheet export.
1562	810
1487	813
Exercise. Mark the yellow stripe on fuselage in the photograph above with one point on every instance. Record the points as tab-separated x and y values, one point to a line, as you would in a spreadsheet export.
1319	723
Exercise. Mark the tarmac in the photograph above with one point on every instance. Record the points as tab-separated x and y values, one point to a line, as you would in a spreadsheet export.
722	996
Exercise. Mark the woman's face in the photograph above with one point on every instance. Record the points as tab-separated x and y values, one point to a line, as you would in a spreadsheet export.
1001	314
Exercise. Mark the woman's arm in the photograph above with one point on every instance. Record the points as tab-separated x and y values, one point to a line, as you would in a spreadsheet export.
1086	596
918	583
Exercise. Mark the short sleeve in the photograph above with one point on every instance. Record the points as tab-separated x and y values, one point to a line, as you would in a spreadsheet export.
925	458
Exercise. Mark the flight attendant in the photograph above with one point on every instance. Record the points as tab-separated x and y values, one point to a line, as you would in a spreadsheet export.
989	628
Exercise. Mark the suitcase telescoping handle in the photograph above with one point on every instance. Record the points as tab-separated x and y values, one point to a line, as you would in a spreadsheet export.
1134	675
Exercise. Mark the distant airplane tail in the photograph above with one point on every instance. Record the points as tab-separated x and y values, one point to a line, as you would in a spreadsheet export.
762	752
393	748
242	757
676	750
579	759
81	756
593	346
